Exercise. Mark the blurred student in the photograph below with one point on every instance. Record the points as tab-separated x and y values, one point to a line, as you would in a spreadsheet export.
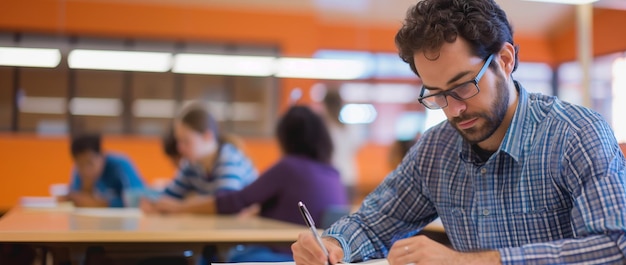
99	179
210	165
346	140
304	173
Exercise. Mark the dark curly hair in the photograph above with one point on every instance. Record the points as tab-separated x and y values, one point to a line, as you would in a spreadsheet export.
302	132
430	23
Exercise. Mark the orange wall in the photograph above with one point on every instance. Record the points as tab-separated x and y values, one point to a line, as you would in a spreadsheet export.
609	36
297	34
30	163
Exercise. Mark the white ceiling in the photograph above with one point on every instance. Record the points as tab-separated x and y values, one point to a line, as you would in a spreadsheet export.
527	18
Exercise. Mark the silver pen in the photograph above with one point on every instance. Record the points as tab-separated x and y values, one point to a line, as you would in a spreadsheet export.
311	224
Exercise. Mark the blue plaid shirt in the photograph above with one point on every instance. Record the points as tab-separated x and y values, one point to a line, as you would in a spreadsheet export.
553	193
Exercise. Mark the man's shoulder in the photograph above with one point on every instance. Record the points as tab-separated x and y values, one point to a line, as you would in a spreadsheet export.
563	111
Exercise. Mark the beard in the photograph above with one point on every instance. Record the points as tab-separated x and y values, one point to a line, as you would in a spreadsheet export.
493	118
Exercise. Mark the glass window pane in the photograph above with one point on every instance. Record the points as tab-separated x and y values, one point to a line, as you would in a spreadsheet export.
254	106
208	88
97	103
153	102
42	100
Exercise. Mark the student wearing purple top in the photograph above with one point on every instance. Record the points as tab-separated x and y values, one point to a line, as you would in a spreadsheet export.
303	174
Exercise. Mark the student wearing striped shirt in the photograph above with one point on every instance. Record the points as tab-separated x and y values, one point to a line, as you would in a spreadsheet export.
516	177
211	163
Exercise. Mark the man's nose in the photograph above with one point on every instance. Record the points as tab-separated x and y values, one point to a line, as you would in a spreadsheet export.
455	106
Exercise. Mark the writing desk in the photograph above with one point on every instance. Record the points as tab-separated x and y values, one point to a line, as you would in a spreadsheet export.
128	228
129	225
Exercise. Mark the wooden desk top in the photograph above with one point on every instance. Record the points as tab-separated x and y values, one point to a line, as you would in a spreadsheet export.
130	225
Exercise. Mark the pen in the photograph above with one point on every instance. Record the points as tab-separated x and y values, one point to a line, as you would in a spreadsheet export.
309	222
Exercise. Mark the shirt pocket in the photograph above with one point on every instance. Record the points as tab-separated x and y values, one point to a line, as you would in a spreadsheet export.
515	229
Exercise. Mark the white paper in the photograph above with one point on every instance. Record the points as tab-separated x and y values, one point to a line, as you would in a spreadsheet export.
369	262
38	202
108	212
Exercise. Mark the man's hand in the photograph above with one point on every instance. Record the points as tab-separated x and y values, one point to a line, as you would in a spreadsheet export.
420	250
306	251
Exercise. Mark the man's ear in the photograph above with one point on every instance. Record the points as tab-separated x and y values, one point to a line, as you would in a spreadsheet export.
507	58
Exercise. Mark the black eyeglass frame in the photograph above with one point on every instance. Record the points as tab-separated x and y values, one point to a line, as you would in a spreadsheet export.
451	92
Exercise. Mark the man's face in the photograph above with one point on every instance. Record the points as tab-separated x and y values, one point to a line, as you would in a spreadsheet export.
478	117
89	165
492	117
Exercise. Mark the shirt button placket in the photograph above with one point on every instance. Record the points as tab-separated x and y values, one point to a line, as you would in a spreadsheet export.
485	212
483	172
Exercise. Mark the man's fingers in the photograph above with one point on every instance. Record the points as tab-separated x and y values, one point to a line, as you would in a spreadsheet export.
306	251
336	255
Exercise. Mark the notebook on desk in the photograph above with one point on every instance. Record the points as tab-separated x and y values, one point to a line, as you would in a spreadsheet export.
38	202
108	212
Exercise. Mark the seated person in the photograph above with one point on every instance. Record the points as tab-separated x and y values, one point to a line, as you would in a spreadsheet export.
99	179
210	164
303	174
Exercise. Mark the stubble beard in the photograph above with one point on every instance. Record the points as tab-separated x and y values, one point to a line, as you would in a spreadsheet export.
492	120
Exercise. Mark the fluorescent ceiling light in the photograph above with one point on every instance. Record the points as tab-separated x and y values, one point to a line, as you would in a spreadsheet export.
96	106
30	57
210	64
120	60
321	68
571	2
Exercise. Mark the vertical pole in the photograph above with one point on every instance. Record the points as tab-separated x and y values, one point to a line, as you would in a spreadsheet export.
584	25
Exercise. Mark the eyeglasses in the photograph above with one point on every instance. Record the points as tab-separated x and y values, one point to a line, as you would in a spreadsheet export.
461	92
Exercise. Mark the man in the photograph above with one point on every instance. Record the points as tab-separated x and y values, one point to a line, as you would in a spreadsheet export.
516	178
100	180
